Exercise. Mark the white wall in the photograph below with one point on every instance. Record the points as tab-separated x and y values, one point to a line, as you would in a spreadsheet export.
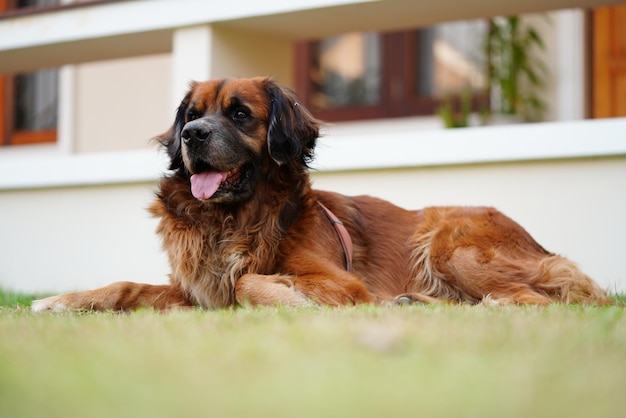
66	239
120	104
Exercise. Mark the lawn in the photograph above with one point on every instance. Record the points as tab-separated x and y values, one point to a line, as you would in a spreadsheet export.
409	361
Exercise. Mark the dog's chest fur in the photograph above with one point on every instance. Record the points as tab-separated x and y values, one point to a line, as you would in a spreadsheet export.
209	248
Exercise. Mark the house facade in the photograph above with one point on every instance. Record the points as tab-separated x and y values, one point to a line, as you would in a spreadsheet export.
73	193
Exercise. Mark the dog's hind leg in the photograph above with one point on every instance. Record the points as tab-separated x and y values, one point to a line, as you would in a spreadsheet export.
522	278
120	296
479	255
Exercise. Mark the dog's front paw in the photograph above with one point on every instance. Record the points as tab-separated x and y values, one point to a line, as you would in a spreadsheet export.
51	304
413	299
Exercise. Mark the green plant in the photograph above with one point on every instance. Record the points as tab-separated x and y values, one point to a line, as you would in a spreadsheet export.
447	110
10	299
515	72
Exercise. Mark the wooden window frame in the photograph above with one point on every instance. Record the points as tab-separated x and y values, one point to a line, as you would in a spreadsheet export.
8	134
399	75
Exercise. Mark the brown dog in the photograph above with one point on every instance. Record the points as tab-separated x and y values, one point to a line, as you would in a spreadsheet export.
241	225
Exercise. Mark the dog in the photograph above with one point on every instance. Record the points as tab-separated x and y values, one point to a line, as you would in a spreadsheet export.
241	225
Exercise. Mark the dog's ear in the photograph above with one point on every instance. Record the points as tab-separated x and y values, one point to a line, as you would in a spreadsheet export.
171	139
292	130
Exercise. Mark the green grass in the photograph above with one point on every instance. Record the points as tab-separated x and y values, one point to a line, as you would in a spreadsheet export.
8	299
426	361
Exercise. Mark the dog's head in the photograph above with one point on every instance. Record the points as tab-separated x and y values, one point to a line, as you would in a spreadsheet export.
228	133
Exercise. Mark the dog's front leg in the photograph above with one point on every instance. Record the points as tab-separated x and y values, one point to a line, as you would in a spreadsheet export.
120	296
304	290
269	290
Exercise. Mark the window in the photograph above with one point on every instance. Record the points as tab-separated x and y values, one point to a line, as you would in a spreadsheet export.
28	101
380	75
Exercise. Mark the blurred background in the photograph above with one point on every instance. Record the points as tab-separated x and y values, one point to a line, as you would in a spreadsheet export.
515	104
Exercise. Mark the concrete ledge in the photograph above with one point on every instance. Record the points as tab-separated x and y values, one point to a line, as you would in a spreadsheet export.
491	144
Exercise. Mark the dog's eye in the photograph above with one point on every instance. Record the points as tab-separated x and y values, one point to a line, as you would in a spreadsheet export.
241	114
192	114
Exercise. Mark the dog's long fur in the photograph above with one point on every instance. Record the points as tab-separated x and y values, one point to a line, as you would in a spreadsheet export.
262	238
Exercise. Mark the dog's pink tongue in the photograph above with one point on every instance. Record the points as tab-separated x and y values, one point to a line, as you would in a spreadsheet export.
204	185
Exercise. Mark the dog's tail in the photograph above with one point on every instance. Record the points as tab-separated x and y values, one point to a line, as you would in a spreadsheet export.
564	280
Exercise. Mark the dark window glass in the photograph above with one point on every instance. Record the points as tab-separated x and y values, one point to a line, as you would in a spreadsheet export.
36	3
450	58
36	96
347	71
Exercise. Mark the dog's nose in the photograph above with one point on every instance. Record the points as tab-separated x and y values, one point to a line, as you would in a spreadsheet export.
195	131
